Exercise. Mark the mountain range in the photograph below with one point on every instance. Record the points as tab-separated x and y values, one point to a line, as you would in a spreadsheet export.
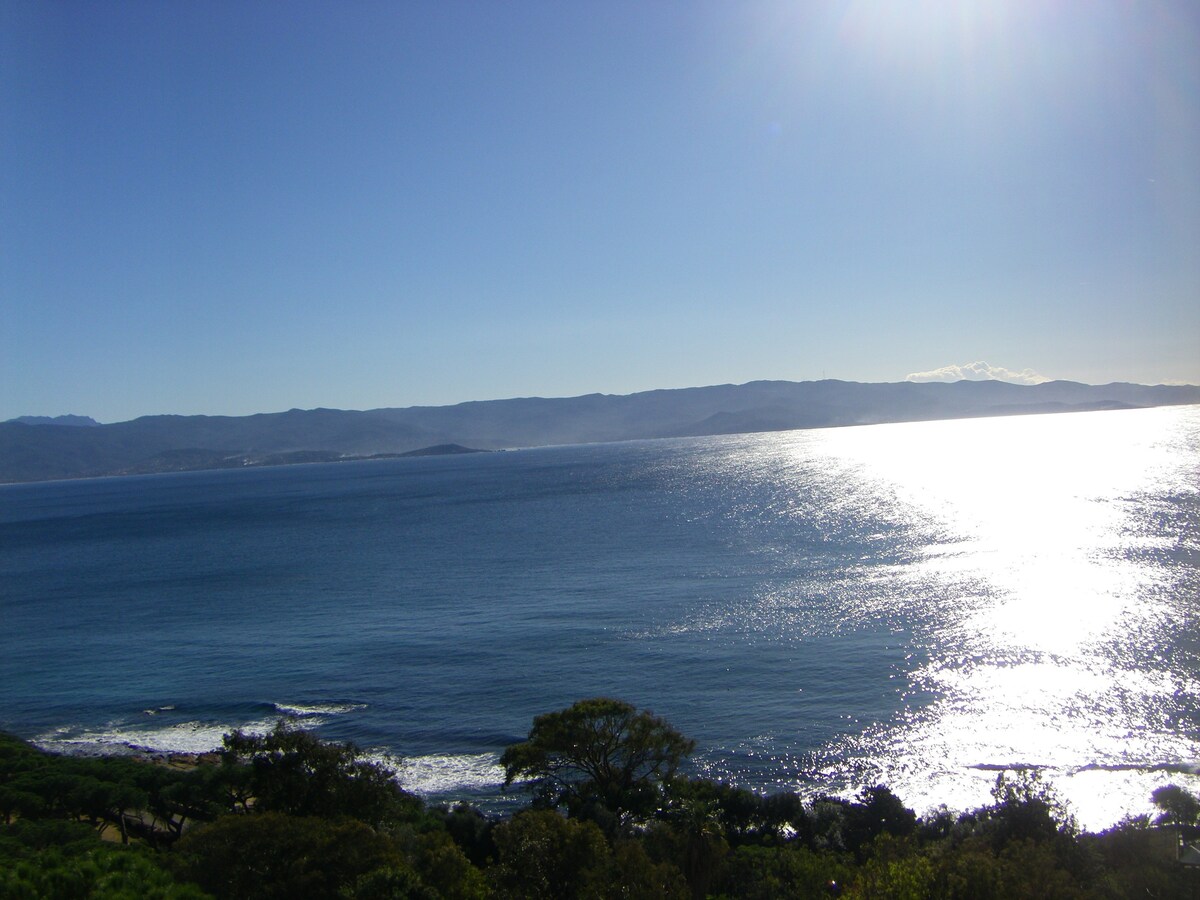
39	449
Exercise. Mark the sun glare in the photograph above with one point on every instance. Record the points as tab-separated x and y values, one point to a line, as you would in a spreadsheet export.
1032	518
1048	518
912	35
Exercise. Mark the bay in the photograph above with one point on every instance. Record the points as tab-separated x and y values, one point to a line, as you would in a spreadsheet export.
918	605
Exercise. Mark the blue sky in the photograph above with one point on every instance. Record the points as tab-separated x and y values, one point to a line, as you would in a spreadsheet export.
241	207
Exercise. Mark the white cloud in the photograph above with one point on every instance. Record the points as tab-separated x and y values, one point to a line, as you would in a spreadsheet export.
978	371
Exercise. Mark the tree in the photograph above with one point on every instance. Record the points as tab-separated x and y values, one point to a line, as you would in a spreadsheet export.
764	873
294	772
104	871
895	871
1178	806
543	855
271	855
878	811
470	829
392	883
1026	808
598	752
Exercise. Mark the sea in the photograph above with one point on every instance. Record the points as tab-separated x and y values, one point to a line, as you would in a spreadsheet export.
917	605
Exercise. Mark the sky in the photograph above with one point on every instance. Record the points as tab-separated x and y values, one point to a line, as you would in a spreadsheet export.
237	207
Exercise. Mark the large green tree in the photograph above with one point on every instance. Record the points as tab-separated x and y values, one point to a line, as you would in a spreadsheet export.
597	753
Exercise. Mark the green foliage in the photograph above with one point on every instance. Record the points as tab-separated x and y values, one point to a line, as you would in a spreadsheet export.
767	872
894	869
28	837
301	818
443	866
879	811
135	799
1139	861
546	857
691	839
597	753
391	883
968	870
294	772
102	870
179	799
1025	808
1035	869
897	879
272	855
471	831
742	816
633	875
834	823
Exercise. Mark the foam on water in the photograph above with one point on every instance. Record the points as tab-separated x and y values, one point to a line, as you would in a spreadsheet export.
318	709
118	737
166	729
439	774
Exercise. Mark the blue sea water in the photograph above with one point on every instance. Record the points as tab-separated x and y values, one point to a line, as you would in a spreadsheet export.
919	605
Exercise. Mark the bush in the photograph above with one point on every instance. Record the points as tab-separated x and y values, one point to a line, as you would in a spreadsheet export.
272	855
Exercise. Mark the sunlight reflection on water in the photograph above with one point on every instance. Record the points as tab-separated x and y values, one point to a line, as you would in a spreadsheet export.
1050	512
1052	641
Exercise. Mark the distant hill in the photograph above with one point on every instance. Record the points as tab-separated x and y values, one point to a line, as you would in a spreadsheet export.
442	450
75	421
38	451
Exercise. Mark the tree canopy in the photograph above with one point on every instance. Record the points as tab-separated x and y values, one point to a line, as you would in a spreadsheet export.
599	751
295	772
1179	807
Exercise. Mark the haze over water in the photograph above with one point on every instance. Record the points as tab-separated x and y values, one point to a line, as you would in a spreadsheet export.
916	605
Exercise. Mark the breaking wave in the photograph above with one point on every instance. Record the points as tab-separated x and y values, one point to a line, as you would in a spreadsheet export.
438	774
170	728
